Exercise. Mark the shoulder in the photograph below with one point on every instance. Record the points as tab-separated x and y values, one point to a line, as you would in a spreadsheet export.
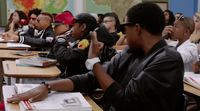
49	30
169	53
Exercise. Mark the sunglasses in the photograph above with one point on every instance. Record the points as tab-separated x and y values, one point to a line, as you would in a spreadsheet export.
181	18
33	18
122	26
56	24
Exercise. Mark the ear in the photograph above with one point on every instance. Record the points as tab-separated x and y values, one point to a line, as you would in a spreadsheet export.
187	32
138	29
83	27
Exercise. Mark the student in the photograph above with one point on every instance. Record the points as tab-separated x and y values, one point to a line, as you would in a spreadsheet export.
71	48
16	21
182	29
169	21
169	17
111	21
42	40
32	15
195	36
146	76
63	22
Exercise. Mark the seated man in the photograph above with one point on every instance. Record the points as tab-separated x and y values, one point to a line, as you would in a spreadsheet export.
71	48
148	76
181	31
30	28
42	40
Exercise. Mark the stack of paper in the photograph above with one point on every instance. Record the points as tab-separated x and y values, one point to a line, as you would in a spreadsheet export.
192	79
17	45
36	61
56	101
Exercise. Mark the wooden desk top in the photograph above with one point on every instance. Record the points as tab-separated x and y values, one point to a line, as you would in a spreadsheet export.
4	46
191	89
11	70
10	54
9	90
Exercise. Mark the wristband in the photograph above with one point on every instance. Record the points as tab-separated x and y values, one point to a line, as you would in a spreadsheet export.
47	85
89	63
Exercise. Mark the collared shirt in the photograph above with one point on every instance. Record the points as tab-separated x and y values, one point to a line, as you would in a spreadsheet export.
189	54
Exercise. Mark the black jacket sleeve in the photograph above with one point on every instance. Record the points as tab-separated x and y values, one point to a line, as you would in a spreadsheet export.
63	53
160	83
87	82
39	42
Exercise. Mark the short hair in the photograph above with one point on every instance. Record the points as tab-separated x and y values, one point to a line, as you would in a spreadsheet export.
88	19
114	15
35	11
187	23
148	15
49	15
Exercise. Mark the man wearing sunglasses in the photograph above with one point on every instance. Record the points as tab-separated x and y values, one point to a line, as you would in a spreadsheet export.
148	76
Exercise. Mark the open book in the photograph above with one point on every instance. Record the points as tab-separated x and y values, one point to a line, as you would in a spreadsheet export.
192	79
56	101
36	61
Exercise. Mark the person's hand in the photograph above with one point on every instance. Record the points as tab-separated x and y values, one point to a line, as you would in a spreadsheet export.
37	94
95	46
167	30
10	36
196	67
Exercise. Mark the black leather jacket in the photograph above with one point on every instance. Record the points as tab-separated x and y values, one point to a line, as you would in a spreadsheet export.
150	83
71	58
43	41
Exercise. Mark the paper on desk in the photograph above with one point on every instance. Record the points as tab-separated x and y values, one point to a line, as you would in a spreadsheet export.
192	79
17	45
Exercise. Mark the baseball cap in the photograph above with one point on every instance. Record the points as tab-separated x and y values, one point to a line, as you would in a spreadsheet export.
65	17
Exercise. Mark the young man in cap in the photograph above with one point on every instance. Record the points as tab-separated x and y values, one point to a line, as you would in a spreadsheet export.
146	76
71	47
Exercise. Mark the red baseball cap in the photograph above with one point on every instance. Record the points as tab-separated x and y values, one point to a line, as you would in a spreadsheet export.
65	17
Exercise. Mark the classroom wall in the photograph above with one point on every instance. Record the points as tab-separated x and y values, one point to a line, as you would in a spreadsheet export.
75	6
187	7
3	17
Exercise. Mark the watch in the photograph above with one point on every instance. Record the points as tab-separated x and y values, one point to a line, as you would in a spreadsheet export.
89	63
47	85
60	39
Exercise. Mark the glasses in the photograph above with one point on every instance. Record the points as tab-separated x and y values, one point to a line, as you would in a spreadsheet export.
181	18
122	26
56	24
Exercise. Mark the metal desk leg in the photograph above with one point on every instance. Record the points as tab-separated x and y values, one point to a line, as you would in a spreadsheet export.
9	80
17	80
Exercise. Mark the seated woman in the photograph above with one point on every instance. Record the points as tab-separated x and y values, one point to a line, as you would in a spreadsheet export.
17	20
195	38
